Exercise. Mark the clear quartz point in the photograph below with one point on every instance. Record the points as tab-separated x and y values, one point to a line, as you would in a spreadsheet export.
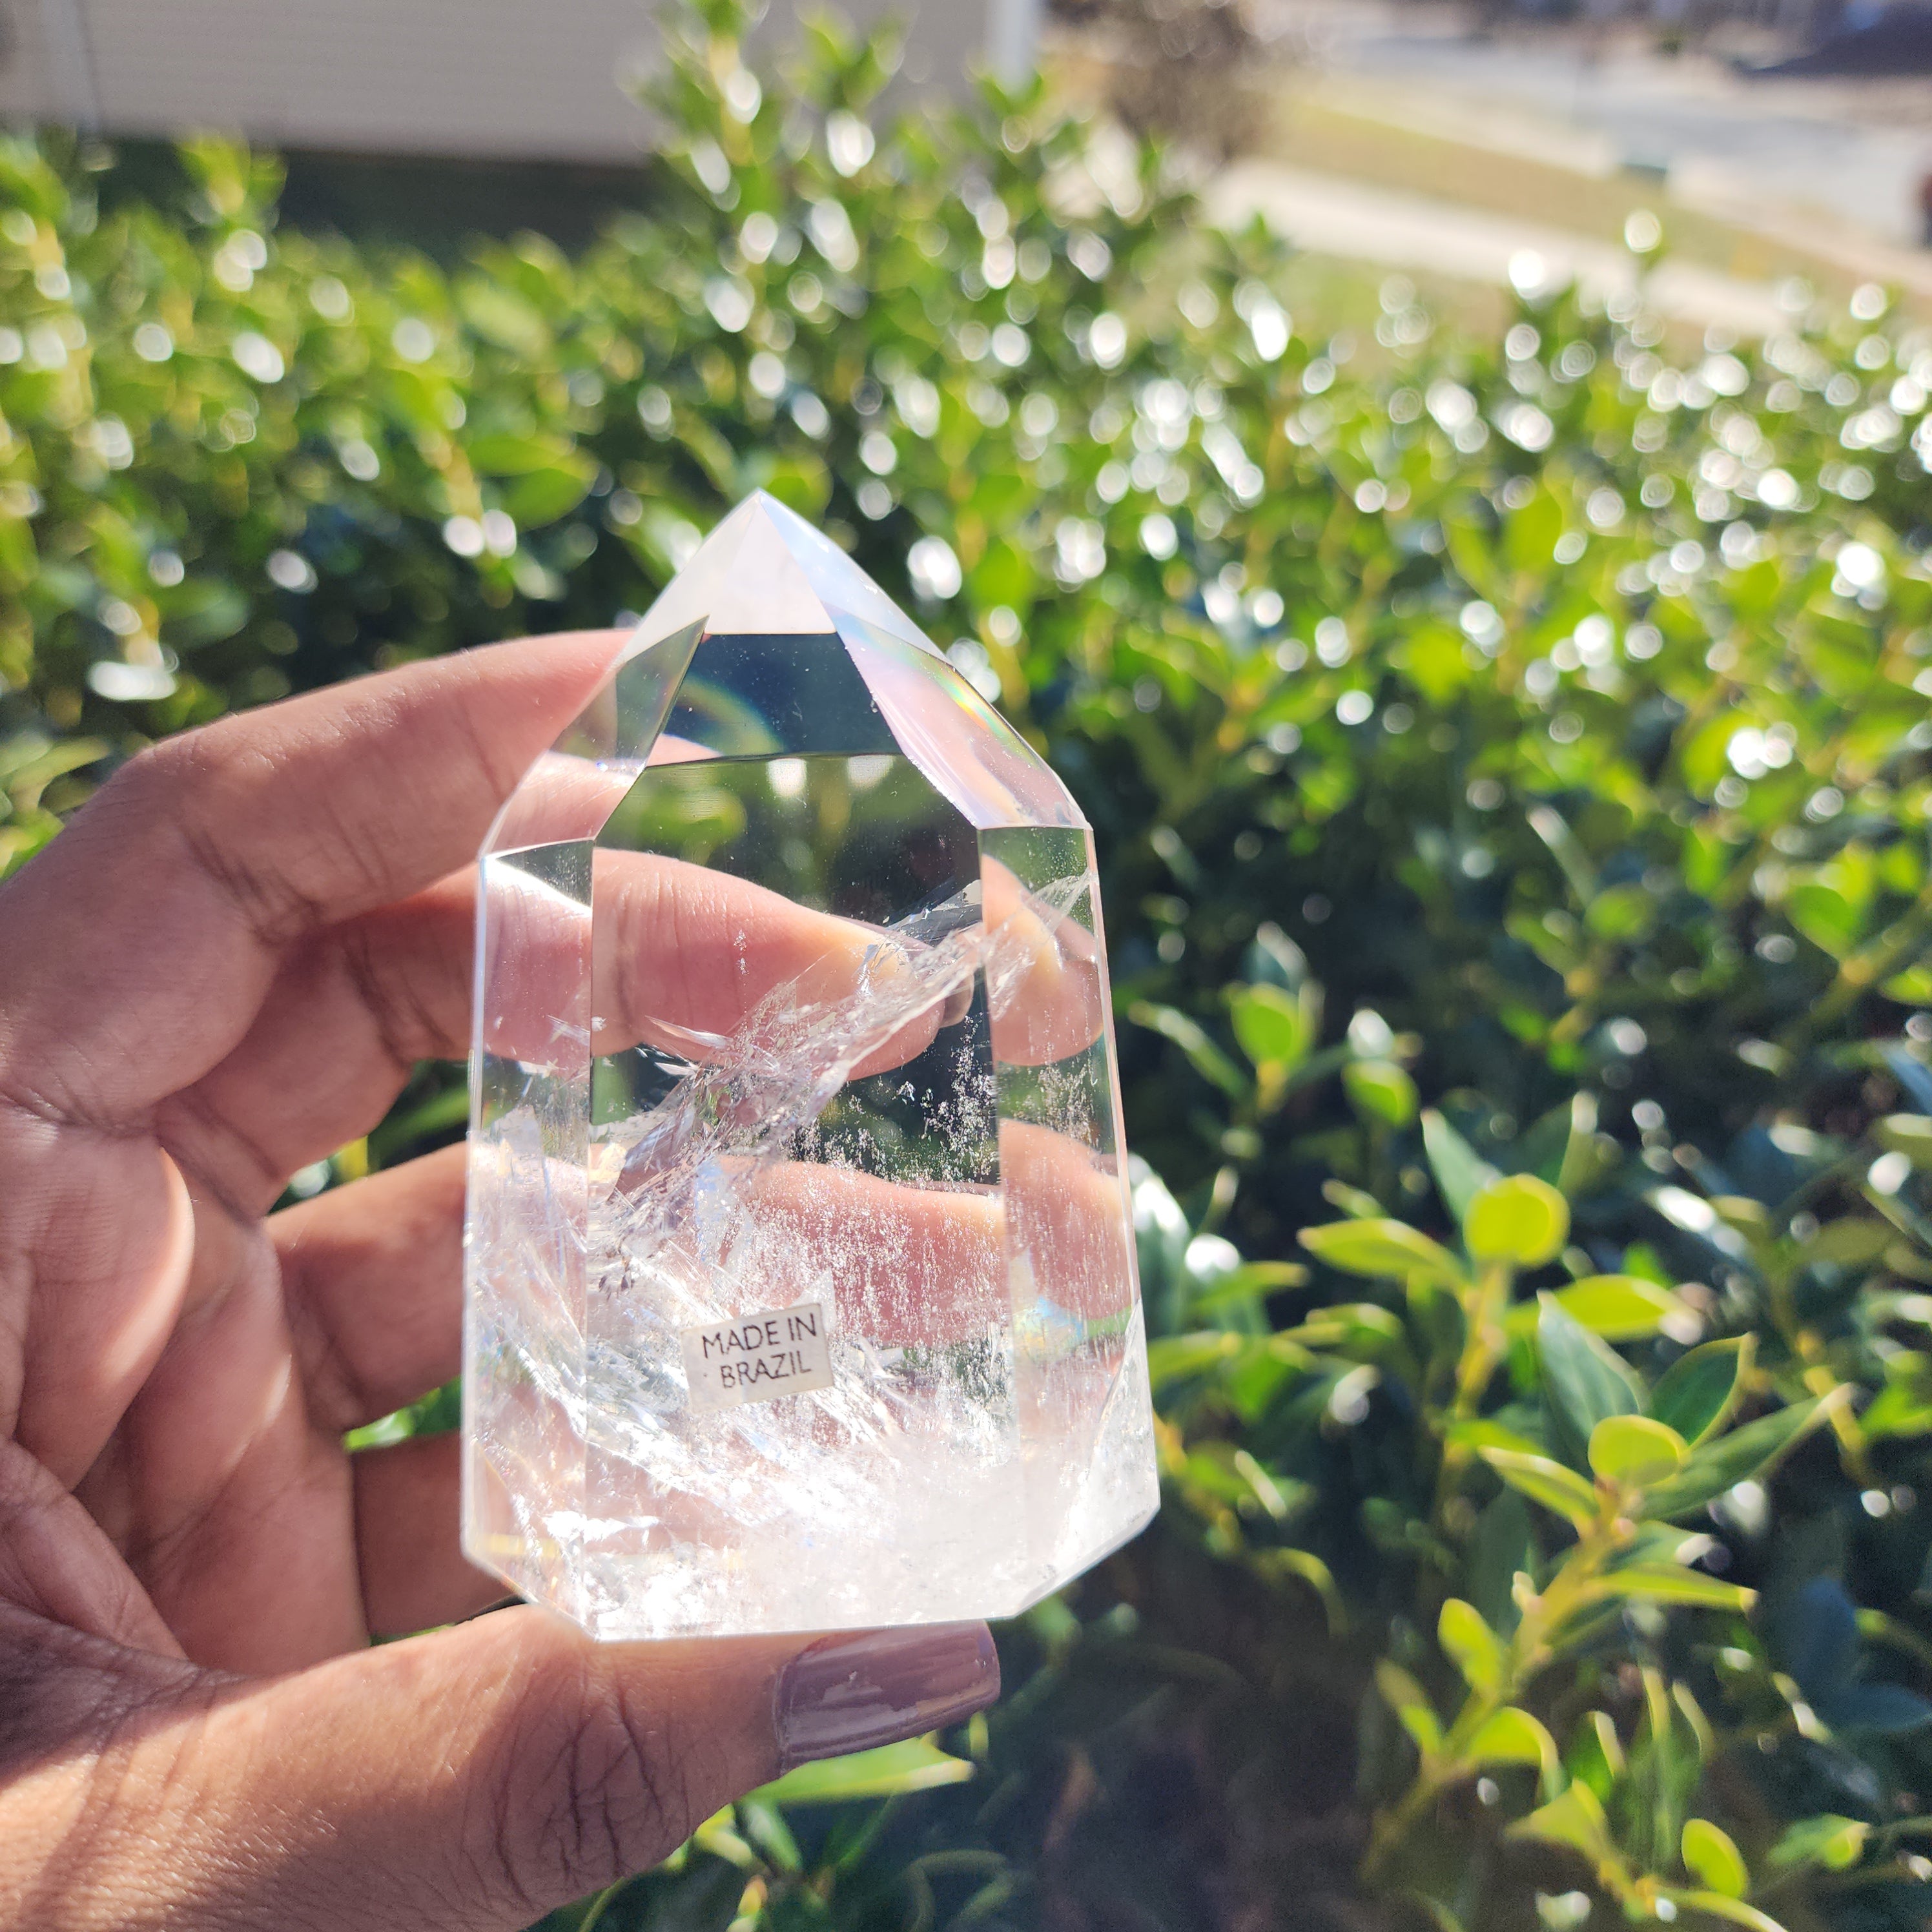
800	1271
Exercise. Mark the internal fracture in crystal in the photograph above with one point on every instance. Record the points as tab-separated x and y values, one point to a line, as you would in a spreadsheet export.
801	1287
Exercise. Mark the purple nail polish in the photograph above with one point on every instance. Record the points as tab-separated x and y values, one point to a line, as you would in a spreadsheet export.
849	1693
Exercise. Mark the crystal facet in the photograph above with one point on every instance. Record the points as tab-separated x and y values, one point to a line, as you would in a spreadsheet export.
801	1287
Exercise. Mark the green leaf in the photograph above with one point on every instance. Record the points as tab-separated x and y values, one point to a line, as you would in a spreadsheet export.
1308	1568
1623	1307
1554	937
798	482
1353	1201
1728	1459
1575	1819
1620	913
1853	1242
1583	1381
1460	1173
1530	532
1824	916
1720	1905
1363	1330
1203	1055
1588	1156
1471	1646
1550	826
1387	1250
1512	1736
916	1765
1245	1283
203	611
1545	1482
30	760
1829	1839
1174	1357
1908	1134
1379	1090
1432	655
1519	1219
1911	988
1501	1547
1904	1407
1408	1700
1271	1025
540	496
717	1836
503	317
765	1826
1485	1432
512	455
1713	1859
1697	1393
1672	1583
1635	1451
1004	575
440	1112
1596	1753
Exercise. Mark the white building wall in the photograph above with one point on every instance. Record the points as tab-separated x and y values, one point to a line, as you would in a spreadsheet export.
536	79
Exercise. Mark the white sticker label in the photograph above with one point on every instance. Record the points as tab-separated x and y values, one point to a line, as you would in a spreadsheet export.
757	1358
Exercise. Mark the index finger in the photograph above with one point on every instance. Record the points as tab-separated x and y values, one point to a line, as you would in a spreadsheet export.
205	857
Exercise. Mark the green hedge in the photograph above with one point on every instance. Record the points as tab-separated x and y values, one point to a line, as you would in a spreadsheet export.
1510	762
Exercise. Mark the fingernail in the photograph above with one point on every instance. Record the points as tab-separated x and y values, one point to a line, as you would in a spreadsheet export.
848	1694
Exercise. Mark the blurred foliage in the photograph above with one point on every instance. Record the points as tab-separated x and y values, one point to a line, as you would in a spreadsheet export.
1511	763
1199	71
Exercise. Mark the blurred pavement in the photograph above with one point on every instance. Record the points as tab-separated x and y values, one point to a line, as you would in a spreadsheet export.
1328	215
1829	168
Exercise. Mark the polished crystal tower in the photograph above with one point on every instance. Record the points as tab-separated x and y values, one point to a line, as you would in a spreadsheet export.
801	1287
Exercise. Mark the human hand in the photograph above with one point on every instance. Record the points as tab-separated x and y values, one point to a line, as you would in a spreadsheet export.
222	971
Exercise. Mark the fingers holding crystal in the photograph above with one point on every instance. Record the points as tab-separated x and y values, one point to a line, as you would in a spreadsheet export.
907	1254
682	951
351	1011
561	797
905	1264
373	1276
354	1006
482	1775
698	962
407	1521
1066	1223
1046	979
902	1265
217	850
684	956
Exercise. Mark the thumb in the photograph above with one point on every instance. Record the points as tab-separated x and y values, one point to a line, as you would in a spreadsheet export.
484	1775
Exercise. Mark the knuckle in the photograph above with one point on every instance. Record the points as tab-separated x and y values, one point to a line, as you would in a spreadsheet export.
588	1797
403	1017
204	784
182	773
121	1737
151	789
